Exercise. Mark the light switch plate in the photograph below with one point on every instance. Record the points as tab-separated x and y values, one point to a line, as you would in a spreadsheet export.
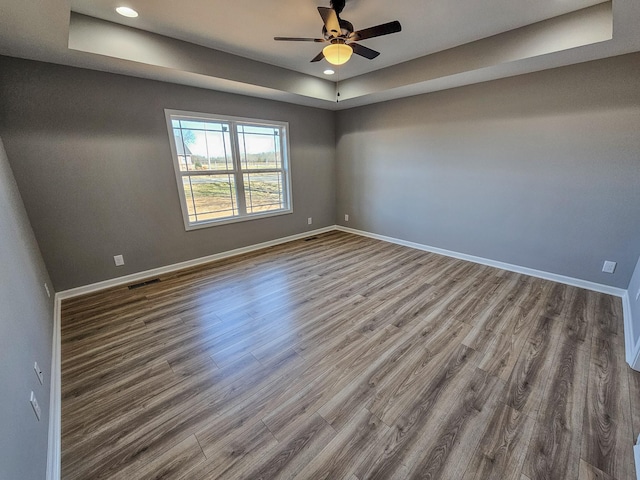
39	373
36	407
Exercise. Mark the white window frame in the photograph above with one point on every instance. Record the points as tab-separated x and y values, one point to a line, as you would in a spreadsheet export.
238	172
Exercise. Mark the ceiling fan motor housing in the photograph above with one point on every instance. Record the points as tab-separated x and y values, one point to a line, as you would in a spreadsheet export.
346	28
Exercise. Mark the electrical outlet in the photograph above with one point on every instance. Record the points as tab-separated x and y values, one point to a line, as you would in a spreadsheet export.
39	373
346	217
36	407
309	221
609	267
46	288
119	259
637	294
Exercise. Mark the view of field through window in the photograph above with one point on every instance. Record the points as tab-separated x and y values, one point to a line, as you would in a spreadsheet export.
229	169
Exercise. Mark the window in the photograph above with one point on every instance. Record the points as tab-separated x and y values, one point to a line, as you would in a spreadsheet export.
229	169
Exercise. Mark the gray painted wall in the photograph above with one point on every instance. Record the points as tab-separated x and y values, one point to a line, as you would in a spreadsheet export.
540	170
26	327
91	156
634	290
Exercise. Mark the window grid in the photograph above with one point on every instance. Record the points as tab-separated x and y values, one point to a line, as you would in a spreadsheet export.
257	180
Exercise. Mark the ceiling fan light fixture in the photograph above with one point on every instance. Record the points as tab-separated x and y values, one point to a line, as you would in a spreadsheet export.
337	53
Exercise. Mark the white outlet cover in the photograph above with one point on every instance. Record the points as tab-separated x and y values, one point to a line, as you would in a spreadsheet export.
119	260
609	267
36	407
309	221
39	373
637	297
346	217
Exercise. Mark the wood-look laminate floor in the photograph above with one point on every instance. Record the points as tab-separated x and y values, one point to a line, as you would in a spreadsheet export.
343	357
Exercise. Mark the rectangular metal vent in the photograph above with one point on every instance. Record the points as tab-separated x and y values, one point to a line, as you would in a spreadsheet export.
143	284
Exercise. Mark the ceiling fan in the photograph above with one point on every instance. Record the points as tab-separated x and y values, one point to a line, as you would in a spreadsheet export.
341	36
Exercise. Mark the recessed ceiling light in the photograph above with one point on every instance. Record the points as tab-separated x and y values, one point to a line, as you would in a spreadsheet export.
127	12
328	71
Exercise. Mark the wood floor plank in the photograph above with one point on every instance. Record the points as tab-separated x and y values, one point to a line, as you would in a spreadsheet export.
589	472
607	440
446	451
412	425
236	455
580	320
502	449
502	351
609	322
526	385
634	395
557	300
270	400
379	352
554	451
135	432
288	458
486	297
88	417
395	394
176	462
341	457
345	357
360	391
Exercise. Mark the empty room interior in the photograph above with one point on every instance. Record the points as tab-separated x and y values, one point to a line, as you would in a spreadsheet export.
320	240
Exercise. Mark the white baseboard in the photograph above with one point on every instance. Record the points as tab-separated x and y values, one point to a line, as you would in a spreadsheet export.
575	282
136	277
53	452
632	352
632	348
53	460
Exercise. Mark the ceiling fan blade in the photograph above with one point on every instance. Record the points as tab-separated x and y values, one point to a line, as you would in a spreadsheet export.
298	39
377	31
364	51
330	19
318	57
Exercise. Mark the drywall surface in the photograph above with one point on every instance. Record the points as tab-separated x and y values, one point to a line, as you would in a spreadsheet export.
26	326
91	156
634	301
540	170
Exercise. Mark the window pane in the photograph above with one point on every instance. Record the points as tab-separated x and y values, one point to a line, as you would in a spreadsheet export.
229	168
259	147
263	192
200	149
190	124
219	151
188	194
216	127
213	196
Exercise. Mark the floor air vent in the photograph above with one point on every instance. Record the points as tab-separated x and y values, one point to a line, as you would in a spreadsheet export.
143	284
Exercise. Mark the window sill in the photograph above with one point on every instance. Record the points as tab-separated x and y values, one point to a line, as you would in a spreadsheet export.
245	218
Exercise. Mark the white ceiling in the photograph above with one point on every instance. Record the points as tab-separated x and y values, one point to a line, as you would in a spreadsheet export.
40	29
247	27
